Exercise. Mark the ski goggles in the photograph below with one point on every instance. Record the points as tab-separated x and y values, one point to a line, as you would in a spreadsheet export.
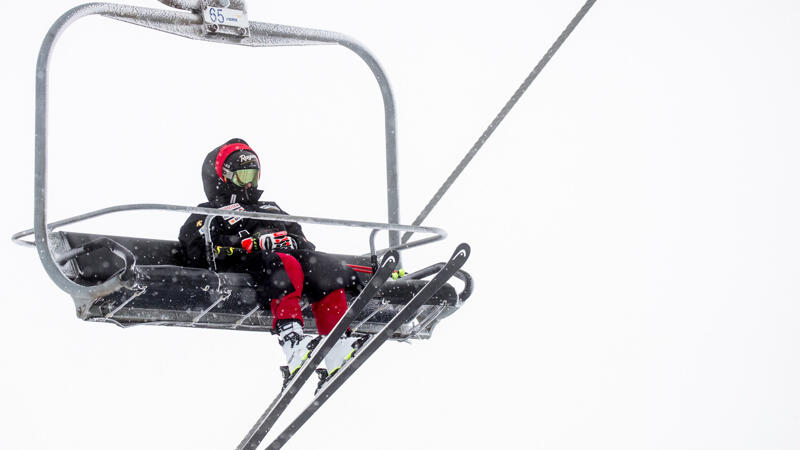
244	176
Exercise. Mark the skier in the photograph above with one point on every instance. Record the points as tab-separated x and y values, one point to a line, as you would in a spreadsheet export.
276	253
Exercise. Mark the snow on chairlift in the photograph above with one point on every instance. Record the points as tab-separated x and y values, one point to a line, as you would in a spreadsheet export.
130	281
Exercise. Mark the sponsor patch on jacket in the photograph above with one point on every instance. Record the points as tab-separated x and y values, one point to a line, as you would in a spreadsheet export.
232	219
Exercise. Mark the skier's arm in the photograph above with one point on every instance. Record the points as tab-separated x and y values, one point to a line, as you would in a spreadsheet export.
293	228
193	242
296	231
192	237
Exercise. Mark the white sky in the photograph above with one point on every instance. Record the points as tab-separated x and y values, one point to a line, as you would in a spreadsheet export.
633	223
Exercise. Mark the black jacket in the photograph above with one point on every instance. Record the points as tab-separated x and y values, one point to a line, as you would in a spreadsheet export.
228	231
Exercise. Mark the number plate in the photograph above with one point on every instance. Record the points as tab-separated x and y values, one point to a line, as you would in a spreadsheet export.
225	16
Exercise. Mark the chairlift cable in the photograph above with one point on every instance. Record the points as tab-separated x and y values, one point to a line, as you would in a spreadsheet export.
500	116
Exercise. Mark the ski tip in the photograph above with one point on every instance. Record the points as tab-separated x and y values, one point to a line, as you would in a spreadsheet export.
390	257
462	251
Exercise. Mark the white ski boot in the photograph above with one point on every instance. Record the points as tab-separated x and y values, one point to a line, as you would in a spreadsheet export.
296	346
342	352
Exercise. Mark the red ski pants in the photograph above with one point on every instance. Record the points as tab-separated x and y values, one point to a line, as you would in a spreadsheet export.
327	310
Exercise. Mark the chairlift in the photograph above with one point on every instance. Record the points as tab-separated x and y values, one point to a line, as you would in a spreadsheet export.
133	281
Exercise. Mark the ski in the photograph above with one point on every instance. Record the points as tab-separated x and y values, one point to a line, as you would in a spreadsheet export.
276	408
326	391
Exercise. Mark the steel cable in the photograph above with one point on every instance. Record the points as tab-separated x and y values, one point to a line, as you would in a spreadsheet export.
499	118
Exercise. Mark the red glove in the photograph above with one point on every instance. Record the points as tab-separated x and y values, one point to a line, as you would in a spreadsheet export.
268	242
248	244
280	241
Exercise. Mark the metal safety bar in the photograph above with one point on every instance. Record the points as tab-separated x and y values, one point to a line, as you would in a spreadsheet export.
190	24
115	283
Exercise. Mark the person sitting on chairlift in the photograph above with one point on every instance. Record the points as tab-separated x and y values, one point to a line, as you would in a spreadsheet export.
277	254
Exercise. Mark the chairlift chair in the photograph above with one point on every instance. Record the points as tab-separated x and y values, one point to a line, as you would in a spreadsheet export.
130	281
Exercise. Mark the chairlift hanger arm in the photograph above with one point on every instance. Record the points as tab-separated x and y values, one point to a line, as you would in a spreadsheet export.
189	5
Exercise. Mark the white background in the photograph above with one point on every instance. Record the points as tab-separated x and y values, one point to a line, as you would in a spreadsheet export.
633	222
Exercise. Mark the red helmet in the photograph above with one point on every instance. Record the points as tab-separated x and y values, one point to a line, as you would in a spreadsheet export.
231	173
238	163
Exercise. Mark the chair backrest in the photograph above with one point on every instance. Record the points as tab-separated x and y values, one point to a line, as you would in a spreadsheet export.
101	264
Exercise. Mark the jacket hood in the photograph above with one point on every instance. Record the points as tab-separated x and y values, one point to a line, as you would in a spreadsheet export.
218	191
